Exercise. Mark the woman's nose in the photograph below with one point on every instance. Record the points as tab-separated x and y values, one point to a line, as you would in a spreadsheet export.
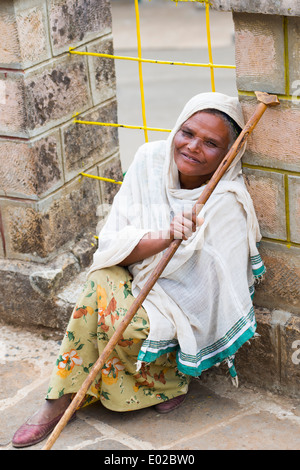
195	145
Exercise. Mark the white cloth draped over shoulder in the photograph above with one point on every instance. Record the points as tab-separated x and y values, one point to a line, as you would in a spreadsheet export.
201	307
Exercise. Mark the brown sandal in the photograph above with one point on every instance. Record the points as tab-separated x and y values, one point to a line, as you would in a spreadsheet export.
30	434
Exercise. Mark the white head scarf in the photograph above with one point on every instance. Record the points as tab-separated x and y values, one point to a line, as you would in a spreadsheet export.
213	100
201	306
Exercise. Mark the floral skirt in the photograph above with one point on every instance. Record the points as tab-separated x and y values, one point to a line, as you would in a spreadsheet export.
104	302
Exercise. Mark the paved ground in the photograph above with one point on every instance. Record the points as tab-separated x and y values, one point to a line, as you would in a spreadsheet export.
216	415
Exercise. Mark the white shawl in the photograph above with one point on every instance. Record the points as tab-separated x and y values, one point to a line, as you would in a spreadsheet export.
201	306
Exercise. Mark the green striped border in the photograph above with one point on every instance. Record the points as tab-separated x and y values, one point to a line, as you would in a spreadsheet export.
258	267
167	346
219	356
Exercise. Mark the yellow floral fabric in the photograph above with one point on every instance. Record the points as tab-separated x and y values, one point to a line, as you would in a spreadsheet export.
104	302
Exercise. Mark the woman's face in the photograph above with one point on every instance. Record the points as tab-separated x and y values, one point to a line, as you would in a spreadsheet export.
200	145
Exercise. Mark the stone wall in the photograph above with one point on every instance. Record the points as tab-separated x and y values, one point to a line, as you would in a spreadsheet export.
267	42
47	212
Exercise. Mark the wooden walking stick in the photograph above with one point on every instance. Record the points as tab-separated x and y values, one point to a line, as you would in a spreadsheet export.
265	100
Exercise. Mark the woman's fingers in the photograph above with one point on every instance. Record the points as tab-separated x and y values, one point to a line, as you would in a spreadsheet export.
183	228
183	225
200	221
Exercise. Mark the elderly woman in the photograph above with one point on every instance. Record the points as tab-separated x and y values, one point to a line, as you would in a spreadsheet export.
200	311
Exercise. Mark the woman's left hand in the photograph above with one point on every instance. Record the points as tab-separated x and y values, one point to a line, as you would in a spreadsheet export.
184	225
181	227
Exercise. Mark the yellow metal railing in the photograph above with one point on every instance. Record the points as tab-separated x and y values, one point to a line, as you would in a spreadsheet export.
140	61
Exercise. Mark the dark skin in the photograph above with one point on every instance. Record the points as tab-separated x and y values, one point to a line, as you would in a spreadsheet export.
200	145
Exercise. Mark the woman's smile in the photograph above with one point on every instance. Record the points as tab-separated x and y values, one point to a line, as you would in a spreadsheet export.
190	159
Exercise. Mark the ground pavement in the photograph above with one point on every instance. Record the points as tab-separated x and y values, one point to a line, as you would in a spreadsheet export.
216	415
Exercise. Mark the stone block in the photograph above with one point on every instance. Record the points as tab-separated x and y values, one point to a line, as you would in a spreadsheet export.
290	355
280	288
52	92
43	97
267	7
274	142
270	360
10	47
85	248
24	34
294	56
12	104
47	280
259	41
86	145
22	228
69	213
77	21
30	169
26	306
32	24
268	195
42	295
2	252
258	361
294	201
102	71
110	169
35	231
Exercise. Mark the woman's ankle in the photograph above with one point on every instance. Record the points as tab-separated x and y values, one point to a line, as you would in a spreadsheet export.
50	409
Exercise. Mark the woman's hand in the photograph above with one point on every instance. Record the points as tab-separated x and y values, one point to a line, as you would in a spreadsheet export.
183	225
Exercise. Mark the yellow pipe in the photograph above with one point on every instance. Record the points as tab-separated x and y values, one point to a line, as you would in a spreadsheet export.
100	178
111	124
272	170
153	61
193	1
212	78
282	242
287	208
138	34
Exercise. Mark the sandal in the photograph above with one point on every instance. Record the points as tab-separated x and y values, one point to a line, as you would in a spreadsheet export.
170	405
30	434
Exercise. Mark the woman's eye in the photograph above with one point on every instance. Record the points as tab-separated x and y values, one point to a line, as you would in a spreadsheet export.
210	144
187	133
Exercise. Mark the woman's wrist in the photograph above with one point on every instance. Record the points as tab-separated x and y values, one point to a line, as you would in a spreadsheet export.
151	244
